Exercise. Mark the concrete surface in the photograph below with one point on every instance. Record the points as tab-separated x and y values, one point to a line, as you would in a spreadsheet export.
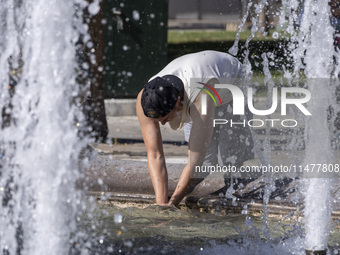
127	127
120	107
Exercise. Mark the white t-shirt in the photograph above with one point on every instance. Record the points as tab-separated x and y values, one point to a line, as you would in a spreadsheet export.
200	67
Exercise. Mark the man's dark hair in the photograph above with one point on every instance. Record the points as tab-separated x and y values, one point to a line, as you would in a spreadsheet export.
160	95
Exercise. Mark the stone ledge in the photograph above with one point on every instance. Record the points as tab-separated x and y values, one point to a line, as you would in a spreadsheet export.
120	107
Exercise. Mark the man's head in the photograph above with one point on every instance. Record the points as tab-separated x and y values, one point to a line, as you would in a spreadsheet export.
160	96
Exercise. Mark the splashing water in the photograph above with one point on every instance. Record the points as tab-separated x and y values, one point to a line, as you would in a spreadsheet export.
264	156
315	47
38	141
310	49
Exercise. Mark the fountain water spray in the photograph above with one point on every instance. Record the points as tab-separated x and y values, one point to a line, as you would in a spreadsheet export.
264	156
39	146
312	48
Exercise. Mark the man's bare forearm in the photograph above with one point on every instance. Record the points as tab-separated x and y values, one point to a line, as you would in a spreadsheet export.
159	178
185	184
199	141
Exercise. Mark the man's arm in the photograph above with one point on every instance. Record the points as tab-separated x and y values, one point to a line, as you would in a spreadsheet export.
200	136
154	147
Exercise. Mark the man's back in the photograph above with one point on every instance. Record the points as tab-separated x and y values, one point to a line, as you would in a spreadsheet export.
203	65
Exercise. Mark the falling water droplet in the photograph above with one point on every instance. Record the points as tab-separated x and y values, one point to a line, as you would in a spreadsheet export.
135	15
118	218
100	181
94	7
275	35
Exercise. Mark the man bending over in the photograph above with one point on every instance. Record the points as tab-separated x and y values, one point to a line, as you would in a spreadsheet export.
179	94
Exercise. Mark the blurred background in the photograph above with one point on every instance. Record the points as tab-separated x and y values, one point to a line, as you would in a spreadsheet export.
133	40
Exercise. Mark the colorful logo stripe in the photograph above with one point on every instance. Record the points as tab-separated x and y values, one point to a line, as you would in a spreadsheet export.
209	95
213	90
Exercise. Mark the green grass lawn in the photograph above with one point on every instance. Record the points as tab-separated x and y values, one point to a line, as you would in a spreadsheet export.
185	36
